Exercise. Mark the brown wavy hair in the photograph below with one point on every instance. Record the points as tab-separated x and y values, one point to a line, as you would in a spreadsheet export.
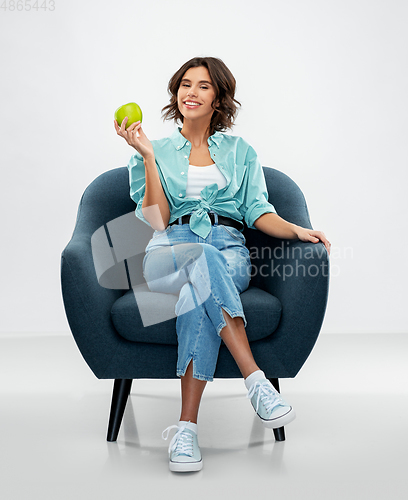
224	84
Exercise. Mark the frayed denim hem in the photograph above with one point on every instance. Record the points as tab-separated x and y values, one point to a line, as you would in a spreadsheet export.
232	315
198	376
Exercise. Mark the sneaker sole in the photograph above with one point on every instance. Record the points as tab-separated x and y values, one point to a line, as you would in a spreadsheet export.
186	466
279	421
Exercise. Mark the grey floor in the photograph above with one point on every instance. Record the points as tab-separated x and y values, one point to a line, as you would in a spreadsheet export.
349	441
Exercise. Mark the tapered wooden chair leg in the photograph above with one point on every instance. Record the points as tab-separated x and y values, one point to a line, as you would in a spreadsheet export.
279	433
121	391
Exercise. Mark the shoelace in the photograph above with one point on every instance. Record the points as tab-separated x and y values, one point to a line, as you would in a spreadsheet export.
266	394
182	442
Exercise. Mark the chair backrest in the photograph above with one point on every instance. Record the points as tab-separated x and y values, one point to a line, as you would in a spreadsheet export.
286	196
107	198
118	238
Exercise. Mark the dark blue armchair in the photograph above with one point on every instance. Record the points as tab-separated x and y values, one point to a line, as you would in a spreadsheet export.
114	317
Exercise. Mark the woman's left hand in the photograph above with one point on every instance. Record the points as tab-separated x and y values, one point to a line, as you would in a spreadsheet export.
313	236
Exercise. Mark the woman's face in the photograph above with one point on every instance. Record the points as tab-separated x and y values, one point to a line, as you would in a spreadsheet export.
196	94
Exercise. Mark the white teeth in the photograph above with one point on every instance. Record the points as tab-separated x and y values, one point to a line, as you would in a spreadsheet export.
191	103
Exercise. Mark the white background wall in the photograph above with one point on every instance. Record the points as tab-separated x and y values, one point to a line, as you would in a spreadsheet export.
323	85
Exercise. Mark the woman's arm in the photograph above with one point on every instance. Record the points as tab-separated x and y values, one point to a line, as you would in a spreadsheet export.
273	225
155	206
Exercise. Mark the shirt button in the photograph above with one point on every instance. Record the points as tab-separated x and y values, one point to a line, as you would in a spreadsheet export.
181	195
188	144
185	156
182	173
178	147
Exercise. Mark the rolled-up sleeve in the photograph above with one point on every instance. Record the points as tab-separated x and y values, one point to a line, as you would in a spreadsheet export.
255	194
137	183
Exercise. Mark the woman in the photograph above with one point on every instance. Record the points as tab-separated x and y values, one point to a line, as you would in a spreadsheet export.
194	188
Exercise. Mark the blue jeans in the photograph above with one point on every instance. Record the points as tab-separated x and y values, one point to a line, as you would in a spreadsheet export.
207	275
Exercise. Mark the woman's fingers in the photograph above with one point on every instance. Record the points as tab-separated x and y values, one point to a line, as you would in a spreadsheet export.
123	125
134	136
324	240
130	133
135	127
122	129
135	130
316	236
119	129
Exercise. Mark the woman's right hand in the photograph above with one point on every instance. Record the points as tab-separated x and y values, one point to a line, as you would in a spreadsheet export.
135	137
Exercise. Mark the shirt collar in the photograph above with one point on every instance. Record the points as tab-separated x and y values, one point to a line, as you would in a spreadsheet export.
216	138
179	141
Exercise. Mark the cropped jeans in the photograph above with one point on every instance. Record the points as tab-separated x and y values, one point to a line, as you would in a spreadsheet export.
207	275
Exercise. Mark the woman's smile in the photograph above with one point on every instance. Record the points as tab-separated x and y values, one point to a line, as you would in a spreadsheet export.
191	104
196	92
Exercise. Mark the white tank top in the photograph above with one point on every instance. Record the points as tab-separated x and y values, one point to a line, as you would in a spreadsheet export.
199	177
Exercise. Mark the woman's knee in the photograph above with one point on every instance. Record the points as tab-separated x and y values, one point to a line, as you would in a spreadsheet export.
213	256
186	254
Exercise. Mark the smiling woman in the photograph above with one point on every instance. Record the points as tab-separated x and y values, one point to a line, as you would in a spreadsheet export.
197	188
197	94
201	85
221	81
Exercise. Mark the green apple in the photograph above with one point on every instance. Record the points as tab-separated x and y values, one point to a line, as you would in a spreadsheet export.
132	111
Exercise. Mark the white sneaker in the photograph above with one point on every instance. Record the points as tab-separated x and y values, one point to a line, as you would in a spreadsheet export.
184	452
269	405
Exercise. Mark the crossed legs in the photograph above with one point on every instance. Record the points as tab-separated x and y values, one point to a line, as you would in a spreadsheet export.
236	340
184	268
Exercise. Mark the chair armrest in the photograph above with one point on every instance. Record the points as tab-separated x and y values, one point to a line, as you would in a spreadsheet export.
88	305
297	273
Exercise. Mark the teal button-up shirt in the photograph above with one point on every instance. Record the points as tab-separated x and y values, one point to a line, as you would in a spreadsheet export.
244	196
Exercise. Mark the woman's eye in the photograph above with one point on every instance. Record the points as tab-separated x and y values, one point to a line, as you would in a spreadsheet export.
204	87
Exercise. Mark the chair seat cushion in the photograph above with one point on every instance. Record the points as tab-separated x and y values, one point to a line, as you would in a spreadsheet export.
262	311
